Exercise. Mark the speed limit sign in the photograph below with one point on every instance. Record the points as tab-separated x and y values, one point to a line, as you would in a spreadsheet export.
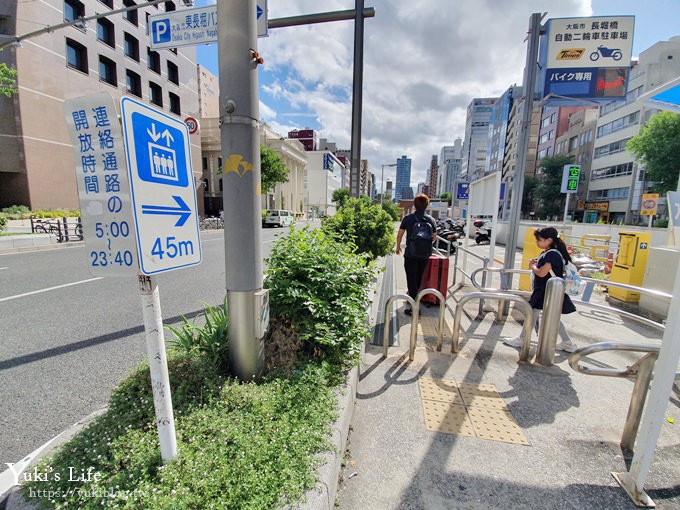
192	124
648	204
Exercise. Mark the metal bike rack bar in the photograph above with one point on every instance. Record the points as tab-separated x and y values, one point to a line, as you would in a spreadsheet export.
526	330
415	306
550	322
642	372
386	322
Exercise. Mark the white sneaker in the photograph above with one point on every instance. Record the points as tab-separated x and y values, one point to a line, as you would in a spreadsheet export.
515	341
566	346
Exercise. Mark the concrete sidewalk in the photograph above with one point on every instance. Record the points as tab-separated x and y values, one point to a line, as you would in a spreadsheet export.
562	428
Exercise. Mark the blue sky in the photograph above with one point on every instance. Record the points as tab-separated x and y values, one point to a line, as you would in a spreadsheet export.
424	61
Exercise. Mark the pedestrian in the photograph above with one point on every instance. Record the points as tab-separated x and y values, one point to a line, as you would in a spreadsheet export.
421	230
550	263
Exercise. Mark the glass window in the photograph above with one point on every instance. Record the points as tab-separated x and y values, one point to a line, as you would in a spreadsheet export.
175	106
106	32
108	3
73	9
170	6
153	60
107	71
131	16
131	47
155	94
76	55
173	73
133	83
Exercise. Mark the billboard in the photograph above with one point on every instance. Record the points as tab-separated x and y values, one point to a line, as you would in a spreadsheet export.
586	58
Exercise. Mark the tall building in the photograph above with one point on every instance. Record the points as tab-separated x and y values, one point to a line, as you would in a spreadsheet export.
578	142
403	180
111	55
208	93
449	167
499	125
554	123
476	138
617	181
432	175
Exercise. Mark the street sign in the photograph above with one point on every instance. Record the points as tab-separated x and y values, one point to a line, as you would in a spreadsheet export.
648	204
162	188
103	185
665	97
192	125
570	176
188	27
586	58
462	190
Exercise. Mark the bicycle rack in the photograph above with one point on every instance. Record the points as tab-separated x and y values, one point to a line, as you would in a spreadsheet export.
415	306
521	302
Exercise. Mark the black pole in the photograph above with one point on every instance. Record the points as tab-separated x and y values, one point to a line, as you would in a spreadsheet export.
357	85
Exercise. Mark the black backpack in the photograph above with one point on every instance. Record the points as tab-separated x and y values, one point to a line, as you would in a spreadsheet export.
419	240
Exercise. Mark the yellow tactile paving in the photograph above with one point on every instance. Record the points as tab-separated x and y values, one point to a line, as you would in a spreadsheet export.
427	327
467	409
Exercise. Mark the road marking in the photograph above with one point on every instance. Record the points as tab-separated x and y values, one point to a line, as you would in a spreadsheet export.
50	288
1	268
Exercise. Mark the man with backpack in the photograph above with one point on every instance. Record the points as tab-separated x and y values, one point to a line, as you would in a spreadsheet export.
421	232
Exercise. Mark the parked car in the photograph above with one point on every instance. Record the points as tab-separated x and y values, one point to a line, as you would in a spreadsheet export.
278	218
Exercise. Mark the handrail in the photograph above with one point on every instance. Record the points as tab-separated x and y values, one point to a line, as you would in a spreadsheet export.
386	323
589	282
642	372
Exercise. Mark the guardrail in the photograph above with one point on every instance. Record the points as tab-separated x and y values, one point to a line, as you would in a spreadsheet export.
62	228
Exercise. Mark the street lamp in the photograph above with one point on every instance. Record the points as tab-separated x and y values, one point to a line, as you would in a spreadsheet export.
382	181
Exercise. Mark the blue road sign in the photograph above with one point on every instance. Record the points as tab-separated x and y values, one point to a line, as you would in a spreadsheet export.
462	192
162	188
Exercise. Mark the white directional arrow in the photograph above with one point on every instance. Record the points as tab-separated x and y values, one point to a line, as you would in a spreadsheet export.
168	137
154	136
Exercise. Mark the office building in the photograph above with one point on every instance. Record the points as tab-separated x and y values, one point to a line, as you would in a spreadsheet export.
308	137
403	180
476	138
110	54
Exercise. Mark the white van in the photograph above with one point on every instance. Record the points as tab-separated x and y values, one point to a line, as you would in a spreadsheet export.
278	218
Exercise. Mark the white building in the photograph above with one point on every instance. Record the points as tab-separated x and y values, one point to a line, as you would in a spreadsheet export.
476	138
616	180
324	176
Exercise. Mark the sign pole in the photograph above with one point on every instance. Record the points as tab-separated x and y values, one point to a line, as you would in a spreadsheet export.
528	86
566	209
158	366
239	120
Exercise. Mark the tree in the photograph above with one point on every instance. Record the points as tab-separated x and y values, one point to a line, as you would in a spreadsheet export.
658	147
340	196
391	209
445	196
272	169
550	198
8	77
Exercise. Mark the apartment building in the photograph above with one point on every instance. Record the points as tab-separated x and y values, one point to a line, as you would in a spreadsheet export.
476	139
110	54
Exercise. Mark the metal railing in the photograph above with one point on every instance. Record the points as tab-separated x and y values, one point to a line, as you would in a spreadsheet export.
456	268
415	314
641	372
523	303
64	229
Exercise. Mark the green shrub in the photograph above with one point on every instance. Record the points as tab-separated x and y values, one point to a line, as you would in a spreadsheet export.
321	285
242	446
366	225
211	339
15	210
3	222
392	210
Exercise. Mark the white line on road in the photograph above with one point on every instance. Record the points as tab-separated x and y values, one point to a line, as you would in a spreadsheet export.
50	288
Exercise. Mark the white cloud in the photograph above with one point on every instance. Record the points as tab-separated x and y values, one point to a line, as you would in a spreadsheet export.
424	61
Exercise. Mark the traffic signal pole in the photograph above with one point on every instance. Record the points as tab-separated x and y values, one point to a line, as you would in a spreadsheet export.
239	121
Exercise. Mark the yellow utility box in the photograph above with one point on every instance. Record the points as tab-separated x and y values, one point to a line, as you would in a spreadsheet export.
629	264
531	251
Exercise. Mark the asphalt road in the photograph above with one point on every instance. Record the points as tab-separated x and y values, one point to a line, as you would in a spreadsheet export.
67	338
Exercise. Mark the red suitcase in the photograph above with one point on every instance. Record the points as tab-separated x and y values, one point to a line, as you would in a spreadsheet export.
436	276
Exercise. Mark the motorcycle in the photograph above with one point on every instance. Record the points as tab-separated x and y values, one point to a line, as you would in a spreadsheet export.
483	232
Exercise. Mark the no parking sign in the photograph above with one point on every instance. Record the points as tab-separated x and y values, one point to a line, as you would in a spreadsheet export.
648	204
